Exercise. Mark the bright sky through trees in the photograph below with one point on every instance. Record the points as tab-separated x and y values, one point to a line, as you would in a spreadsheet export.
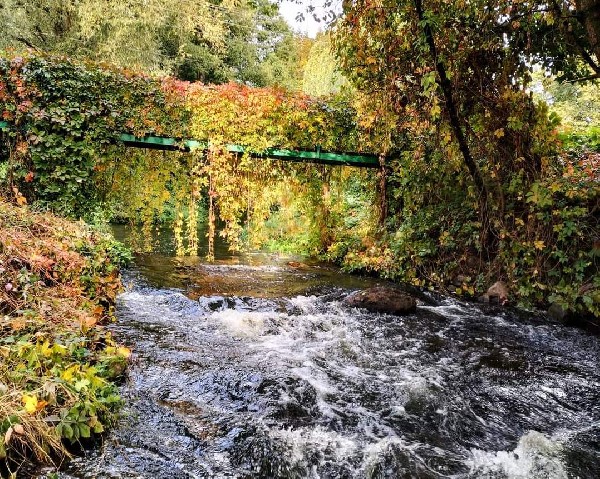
309	26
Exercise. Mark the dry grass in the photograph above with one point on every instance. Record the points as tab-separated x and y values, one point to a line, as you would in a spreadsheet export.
57	286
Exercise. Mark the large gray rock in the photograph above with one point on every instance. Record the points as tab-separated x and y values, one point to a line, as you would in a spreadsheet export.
381	299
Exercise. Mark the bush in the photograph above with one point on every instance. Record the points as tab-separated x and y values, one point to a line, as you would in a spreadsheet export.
58	283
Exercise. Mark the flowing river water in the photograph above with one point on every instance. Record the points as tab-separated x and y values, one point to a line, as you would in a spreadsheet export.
252	367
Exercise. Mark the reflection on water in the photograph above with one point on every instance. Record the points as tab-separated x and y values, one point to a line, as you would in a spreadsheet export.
251	367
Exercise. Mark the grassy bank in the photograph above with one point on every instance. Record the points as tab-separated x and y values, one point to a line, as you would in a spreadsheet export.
58	283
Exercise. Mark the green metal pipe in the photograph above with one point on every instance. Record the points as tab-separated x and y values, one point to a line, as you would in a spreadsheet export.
324	157
318	156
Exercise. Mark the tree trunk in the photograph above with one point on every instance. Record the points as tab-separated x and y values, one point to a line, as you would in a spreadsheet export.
455	122
588	12
383	202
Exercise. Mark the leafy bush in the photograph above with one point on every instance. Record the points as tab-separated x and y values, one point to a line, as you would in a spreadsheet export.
58	282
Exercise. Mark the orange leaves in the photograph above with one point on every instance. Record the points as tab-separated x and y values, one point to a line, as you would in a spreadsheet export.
41	263
45	273
19	198
259	118
32	404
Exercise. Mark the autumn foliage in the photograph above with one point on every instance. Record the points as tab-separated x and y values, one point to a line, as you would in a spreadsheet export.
531	222
58	283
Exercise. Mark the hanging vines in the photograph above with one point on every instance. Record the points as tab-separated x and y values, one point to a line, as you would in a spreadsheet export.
66	117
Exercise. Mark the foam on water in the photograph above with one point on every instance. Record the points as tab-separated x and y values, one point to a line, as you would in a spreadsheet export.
303	387
536	456
243	324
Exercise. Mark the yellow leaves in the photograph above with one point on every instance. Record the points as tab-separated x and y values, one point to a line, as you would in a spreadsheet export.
121	351
19	198
555	186
499	133
81	384
444	238
30	403
446	136
124	352
59	349
539	245
45	349
69	373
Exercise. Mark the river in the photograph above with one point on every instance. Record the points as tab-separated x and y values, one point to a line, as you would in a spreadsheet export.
252	367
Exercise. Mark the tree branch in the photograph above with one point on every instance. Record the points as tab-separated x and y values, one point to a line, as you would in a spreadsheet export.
588	78
26	43
446	87
575	40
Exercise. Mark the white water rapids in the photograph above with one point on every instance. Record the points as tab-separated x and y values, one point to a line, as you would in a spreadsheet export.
226	384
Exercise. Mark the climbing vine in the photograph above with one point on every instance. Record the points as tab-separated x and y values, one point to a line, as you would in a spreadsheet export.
62	149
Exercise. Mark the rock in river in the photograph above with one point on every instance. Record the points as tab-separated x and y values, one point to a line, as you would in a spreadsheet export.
381	299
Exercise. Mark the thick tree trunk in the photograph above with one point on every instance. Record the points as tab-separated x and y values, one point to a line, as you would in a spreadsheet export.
588	12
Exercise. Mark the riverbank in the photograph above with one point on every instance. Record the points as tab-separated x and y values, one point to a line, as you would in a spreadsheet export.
58	283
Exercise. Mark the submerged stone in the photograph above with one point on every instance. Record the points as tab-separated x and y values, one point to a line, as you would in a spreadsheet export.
382	299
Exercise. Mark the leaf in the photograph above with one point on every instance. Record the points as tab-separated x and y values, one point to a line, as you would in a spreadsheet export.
30	403
123	351
67	374
98	428
539	244
82	383
84	430
67	430
20	199
46	349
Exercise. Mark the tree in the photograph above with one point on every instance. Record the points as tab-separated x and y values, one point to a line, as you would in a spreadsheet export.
477	180
126	33
258	49
577	105
321	75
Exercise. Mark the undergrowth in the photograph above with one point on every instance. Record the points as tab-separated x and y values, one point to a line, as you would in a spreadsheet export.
58	283
547	240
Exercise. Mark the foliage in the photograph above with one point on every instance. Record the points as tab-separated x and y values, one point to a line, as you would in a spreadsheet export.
58	284
62	151
443	88
126	33
435	230
258	49
321	72
194	40
578	106
259	119
66	116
